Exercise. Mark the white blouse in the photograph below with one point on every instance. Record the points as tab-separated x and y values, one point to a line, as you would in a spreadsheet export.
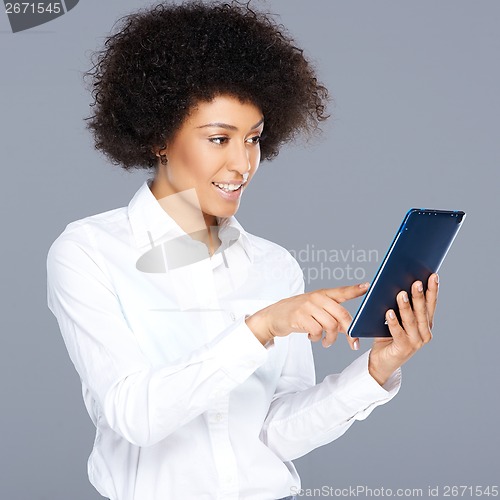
187	403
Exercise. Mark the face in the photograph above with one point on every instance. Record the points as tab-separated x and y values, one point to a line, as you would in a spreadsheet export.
214	151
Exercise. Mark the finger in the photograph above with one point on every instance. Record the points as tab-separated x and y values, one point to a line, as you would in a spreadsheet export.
400	344
328	323
332	335
431	296
397	331
342	319
313	328
343	293
409	323
420	311
408	320
339	313
330	338
353	342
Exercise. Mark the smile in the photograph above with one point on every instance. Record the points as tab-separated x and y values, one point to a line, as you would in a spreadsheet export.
229	191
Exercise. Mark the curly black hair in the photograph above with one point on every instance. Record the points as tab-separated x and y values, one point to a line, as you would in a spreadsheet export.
165	59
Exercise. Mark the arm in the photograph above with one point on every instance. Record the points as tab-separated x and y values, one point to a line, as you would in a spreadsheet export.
141	404
304	416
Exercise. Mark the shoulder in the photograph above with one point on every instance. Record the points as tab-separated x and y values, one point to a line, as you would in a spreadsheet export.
81	233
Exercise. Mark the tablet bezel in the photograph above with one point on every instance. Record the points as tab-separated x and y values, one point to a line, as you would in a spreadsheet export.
392	253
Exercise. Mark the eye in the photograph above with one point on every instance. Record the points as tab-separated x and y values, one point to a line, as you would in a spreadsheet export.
222	140
214	139
255	139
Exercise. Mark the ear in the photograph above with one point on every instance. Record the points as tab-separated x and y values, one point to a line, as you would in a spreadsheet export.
157	151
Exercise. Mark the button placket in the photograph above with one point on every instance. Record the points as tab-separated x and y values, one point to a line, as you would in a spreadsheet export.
224	457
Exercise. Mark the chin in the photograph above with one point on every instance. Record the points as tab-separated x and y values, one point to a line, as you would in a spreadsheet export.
225	212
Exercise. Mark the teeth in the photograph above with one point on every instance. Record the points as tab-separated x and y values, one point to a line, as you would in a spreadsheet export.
228	187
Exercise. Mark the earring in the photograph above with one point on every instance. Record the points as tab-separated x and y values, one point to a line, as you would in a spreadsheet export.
164	159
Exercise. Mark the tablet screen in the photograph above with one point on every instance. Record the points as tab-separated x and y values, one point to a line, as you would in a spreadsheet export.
417	251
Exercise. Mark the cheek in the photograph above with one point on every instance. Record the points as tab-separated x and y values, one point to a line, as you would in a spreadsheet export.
255	163
256	157
193	164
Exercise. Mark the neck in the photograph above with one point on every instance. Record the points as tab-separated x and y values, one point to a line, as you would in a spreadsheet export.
185	209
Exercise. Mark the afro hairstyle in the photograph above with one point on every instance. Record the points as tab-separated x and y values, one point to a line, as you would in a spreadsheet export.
164	59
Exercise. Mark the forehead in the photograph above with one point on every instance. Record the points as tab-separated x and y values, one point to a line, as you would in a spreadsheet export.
225	109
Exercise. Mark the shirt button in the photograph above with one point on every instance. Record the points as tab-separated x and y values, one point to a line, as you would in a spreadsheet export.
233	316
219	417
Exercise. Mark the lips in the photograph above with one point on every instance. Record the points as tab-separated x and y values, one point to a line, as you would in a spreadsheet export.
229	182
229	195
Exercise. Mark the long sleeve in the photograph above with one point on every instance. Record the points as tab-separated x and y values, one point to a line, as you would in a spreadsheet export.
141	404
304	415
173	379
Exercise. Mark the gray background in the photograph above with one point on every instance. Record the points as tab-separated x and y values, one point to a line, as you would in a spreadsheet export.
416	122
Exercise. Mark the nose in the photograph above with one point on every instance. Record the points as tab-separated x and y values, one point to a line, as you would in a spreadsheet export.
241	159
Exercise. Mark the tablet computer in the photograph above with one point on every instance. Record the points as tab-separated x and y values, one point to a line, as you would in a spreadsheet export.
417	251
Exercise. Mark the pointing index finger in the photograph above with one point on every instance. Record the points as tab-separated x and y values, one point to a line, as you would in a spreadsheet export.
343	293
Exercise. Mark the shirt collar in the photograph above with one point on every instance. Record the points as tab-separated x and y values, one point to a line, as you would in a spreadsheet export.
150	222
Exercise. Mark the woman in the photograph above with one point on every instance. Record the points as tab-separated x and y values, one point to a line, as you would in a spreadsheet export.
195	360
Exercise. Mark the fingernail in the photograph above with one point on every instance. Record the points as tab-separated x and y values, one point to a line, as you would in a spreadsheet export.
436	278
405	297
420	288
391	314
364	285
356	345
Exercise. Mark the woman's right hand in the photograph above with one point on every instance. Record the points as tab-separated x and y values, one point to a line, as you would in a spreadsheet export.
312	313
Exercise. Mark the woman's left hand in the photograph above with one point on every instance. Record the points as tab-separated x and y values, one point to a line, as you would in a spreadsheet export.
388	354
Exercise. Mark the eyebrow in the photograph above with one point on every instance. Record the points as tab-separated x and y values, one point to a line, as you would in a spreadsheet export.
229	127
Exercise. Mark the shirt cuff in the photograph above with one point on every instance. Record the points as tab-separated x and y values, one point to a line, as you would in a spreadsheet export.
361	391
392	384
241	352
